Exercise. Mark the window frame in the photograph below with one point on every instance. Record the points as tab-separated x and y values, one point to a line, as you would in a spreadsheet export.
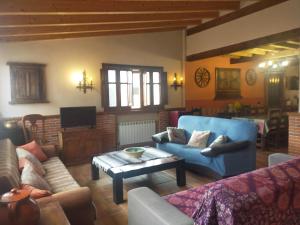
142	69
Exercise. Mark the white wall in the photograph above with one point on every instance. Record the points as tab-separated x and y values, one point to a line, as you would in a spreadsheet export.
65	56
276	19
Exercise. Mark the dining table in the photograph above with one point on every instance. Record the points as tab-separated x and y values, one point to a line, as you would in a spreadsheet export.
261	122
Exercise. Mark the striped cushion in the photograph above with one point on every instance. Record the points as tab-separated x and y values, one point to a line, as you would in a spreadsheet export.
9	168
57	176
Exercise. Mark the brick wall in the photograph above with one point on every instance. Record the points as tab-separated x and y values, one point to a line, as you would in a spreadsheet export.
163	120
107	123
294	134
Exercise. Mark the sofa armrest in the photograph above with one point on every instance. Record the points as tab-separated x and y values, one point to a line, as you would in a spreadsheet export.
225	148
161	137
50	150
148	208
78	205
277	158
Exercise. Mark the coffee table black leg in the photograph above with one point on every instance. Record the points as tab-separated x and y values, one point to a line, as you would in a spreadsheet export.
118	188
180	174
95	172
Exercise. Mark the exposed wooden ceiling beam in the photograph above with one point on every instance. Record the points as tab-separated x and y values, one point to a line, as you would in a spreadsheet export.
25	20
245	59
294	42
242	53
21	7
235	15
81	35
267	48
282	54
8	31
274	38
257	51
281	46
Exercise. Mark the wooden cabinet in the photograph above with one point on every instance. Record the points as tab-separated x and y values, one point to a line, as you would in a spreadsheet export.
80	146
27	83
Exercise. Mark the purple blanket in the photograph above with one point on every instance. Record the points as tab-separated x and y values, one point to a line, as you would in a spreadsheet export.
268	196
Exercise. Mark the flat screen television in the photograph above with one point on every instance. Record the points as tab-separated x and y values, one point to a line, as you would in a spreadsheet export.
78	116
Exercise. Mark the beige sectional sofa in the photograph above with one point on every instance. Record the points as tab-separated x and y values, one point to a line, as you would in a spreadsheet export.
75	200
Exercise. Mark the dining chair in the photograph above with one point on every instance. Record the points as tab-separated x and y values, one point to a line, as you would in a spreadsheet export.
272	137
33	126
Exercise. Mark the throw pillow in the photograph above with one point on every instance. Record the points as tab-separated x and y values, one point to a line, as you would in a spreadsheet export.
31	177
35	192
176	135
161	137
221	139
38	167
36	150
199	139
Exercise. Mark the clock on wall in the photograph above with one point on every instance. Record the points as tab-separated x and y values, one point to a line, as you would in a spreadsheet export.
251	77
202	77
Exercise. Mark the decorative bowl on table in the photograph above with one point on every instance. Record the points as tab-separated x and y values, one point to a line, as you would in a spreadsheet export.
135	152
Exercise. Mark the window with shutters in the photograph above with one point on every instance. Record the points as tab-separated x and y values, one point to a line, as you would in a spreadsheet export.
27	83
133	88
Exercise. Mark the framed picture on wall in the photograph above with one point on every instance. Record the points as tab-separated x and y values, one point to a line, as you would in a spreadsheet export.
228	83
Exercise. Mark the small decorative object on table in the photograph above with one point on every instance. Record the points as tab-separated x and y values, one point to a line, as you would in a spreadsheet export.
135	152
17	208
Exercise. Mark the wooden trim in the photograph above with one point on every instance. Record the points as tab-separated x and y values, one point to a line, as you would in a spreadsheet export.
17	7
10	31
246	59
25	64
35	37
246	45
87	19
234	15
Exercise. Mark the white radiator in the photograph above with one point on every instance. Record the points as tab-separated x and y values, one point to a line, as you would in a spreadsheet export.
135	132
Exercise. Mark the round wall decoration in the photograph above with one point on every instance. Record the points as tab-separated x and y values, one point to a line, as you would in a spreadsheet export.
251	77
202	77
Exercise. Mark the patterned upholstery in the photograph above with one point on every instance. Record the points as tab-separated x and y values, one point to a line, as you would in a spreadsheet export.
264	196
57	176
9	168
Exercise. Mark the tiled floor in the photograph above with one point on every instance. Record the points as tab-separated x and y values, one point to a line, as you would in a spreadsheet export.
163	183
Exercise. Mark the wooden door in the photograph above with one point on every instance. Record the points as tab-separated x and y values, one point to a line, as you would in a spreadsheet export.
274	90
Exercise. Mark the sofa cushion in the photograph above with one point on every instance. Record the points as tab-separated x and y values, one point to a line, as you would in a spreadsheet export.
190	154
58	176
176	135
35	192
199	139
39	169
31	177
219	126
221	139
161	137
32	159
9	169
36	150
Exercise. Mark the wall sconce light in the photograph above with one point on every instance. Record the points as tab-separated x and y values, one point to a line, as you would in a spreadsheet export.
274	80
84	84
276	66
175	83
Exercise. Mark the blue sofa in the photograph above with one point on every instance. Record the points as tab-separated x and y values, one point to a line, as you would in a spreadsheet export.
225	164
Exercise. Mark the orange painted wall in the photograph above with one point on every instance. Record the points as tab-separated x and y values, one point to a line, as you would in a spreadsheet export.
205	97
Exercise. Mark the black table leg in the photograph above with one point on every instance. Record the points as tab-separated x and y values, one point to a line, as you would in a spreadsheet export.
95	172
118	188
180	174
